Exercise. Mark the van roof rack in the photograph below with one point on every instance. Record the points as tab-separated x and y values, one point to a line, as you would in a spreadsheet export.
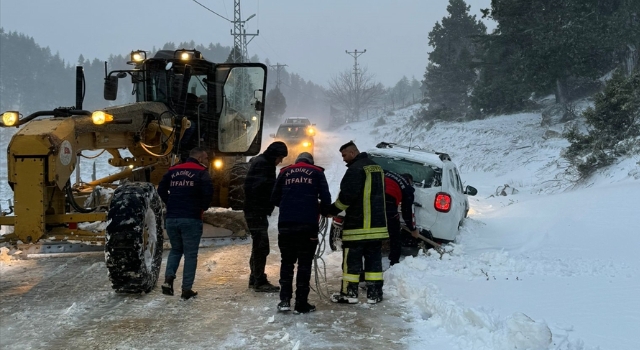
443	156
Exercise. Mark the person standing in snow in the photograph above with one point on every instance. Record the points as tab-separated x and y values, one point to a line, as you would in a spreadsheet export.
297	190
398	191
258	186
187	190
362	198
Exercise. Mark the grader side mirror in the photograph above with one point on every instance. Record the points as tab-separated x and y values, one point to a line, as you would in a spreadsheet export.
110	87
259	106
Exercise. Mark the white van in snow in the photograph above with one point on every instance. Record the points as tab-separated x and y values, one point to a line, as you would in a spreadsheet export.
441	203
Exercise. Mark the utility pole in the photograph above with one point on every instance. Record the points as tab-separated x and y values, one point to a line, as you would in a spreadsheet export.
355	54
277	67
240	34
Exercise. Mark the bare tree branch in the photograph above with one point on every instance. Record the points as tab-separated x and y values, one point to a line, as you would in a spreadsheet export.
353	96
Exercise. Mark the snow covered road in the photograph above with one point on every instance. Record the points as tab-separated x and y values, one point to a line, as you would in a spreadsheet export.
67	303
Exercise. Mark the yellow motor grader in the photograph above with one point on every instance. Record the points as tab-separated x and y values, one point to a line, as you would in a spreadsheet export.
182	101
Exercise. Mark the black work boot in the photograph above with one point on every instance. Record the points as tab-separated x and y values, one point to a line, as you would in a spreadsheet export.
188	294
267	287
303	308
374	292
350	297
263	285
167	286
252	282
284	305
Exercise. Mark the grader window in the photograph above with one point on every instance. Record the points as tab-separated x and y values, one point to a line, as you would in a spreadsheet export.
241	118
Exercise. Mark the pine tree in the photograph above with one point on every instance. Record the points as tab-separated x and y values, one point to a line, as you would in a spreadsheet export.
562	42
501	86
275	107
613	126
450	74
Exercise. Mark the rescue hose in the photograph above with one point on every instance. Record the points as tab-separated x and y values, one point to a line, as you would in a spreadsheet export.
321	271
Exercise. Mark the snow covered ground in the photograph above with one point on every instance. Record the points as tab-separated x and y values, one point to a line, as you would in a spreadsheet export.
548	266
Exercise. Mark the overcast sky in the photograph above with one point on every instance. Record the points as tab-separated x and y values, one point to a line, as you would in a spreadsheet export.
310	37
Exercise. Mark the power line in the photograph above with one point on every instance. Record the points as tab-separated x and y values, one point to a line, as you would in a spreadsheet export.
356	71
210	10
278	66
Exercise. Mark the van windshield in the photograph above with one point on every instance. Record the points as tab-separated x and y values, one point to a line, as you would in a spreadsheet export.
291	131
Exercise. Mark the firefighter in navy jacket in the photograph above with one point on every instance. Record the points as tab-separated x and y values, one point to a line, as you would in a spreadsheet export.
362	198
297	191
398	189
187	190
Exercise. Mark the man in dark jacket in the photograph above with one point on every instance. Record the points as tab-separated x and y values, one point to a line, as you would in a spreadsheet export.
297	190
398	189
187	190
258	186
365	225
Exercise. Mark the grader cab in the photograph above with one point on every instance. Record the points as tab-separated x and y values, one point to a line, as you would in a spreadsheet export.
182	101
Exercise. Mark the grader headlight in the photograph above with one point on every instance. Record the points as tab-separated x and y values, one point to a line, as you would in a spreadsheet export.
217	164
188	55
138	56
10	118
100	117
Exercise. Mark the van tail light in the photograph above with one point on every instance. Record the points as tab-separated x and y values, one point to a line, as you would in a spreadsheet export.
442	202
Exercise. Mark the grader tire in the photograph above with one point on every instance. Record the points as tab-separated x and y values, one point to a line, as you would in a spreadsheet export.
237	175
134	236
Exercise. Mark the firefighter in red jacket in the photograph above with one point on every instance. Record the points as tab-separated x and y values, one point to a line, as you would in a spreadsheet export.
398	191
362	198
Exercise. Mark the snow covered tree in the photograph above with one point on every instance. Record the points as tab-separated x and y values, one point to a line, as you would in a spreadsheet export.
613	126
450	74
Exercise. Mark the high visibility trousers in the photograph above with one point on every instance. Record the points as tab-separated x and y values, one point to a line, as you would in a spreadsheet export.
352	267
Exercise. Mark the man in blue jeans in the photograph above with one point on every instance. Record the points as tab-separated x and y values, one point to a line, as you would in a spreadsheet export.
187	190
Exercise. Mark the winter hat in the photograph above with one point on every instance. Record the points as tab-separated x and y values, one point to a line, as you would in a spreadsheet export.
277	149
305	157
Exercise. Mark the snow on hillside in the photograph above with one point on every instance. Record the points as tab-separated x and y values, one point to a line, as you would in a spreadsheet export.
551	265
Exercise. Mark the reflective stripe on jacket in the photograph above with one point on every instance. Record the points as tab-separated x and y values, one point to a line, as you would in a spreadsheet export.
362	197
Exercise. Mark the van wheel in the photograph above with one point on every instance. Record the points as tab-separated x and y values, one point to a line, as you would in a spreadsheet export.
134	236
